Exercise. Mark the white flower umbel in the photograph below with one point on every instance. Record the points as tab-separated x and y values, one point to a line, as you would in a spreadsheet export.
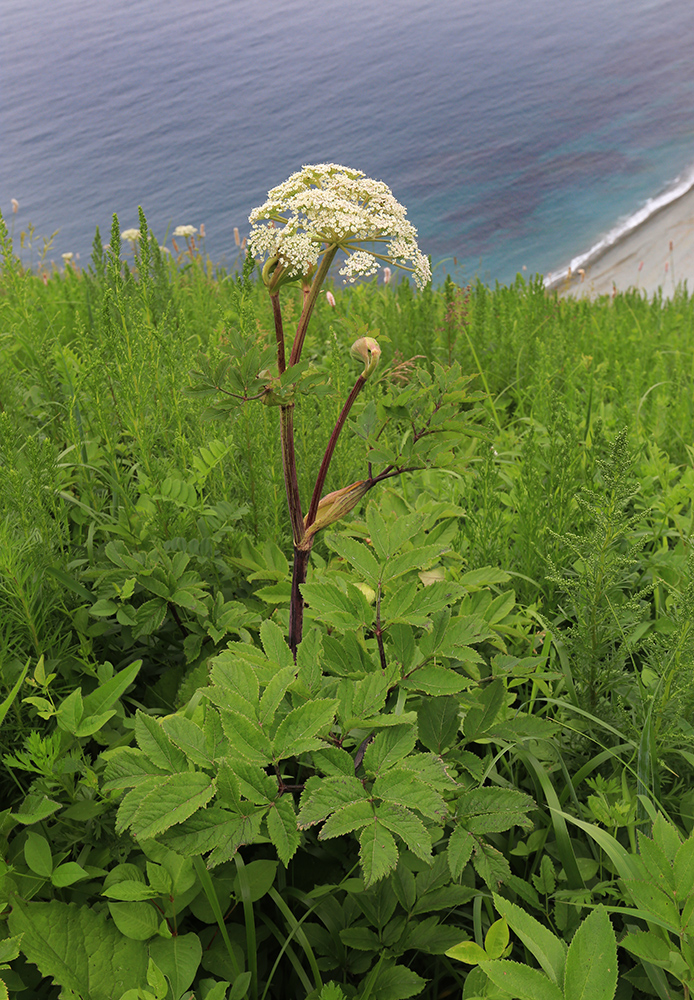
326	208
130	234
185	231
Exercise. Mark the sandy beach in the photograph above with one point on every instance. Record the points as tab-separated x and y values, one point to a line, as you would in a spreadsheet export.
657	253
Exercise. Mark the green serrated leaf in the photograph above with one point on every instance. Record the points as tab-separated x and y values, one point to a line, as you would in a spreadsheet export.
351	817
591	962
402	822
520	981
389	747
149	810
282	828
79	948
298	731
378	853
492	810
154	742
549	950
459	851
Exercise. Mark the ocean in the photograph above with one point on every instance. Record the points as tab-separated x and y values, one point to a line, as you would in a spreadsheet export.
518	135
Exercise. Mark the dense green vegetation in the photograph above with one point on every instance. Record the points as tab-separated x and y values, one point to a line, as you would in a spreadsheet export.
476	778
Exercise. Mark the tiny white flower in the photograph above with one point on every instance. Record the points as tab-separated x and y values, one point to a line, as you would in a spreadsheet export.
325	206
130	234
185	231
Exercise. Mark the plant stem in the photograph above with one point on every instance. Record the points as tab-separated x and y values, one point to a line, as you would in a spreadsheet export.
309	303
296	604
325	464
289	466
279	332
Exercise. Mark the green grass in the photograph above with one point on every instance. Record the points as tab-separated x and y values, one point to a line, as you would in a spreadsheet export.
577	483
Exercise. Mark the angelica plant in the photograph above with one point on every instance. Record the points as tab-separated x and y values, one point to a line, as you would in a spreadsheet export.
320	212
323	215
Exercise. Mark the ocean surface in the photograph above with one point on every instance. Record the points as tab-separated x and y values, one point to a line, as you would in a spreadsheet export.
517	134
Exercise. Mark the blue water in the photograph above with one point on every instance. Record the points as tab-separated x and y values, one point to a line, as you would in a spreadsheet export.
516	134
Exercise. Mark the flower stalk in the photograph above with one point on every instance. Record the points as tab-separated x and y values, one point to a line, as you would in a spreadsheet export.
317	213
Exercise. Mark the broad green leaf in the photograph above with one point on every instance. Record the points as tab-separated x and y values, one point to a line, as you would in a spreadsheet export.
79	948
403	884
396	983
257	786
652	900
149	617
492	810
179	959
139	921
481	717
521	981
260	876
468	952
464	631
275	644
378	853
650	947
438	720
591	962
666	836
485	576
129	890
37	854
400	821
490	864
333	762
416	559
237	680
407	789
68	874
246	738
357	554
154	742
446	898
106	695
684	870
436	681
322	796
398	601
282	828
549	950
389	747
127	767
350	817
149	811
361	938
189	738
327	601
70	713
157	980
216	830
459	851
298	731
274	693
496	939
659	867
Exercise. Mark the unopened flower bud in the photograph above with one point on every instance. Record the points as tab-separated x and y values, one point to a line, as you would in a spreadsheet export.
15	205
386	275
366	349
330	298
336	505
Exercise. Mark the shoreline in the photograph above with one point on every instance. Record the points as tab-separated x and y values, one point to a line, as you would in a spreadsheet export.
654	255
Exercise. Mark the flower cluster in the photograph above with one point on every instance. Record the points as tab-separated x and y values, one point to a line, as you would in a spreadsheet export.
185	231
326	206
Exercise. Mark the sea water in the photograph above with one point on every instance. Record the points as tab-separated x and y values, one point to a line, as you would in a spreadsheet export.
517	134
